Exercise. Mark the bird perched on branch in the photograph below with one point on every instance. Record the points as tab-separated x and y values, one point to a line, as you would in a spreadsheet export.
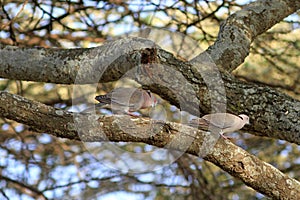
225	122
127	100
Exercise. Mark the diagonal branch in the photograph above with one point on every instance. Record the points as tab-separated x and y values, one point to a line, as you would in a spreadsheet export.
234	160
242	27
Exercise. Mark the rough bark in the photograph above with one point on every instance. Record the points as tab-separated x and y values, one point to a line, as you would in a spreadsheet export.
69	66
255	173
272	113
241	28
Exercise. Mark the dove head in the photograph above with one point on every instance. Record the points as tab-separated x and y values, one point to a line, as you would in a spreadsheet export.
150	99
245	118
153	99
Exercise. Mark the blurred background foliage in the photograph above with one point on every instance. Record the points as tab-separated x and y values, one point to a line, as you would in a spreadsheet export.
39	166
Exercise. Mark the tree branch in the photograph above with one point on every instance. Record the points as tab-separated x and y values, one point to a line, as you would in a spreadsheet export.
193	87
242	27
88	127
69	66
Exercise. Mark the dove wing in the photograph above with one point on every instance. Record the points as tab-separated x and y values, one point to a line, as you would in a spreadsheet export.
221	120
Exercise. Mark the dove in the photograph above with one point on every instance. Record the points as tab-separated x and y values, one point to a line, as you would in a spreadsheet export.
226	122
127	100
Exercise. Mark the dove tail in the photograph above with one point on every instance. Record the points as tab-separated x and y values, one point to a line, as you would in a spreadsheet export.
103	99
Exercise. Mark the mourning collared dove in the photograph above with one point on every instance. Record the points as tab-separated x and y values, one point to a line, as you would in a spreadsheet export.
226	122
127	100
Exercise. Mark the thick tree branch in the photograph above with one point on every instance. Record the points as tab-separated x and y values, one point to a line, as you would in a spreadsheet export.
69	66
272	113
242	27
254	172
183	84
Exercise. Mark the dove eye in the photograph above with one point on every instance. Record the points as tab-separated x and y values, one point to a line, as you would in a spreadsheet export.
149	93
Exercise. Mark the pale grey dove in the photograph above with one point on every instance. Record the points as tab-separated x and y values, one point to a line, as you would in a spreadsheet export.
226	122
127	100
